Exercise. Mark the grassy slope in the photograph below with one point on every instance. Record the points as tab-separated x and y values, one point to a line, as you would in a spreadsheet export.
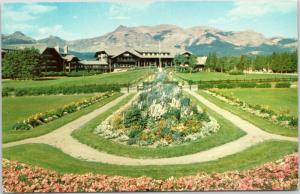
281	100
108	78
227	133
207	76
9	136
16	109
52	158
260	122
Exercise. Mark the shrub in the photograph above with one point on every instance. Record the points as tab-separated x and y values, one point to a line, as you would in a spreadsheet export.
65	89
205	85
203	117
83	73
131	141
264	85
235	72
54	73
132	115
4	93
185	101
226	85
21	126
283	85
293	122
246	84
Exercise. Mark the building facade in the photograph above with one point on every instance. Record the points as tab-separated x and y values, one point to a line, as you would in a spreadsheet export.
117	59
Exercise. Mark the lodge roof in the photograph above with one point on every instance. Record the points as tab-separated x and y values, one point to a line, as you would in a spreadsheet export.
69	58
148	52
201	60
92	62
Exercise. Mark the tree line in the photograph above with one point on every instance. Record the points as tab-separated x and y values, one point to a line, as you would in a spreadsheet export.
283	62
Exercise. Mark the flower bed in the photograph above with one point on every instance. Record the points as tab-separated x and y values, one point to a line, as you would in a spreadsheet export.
282	119
279	175
160	116
42	118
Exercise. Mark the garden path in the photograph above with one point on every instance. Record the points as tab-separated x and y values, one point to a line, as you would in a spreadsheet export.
62	139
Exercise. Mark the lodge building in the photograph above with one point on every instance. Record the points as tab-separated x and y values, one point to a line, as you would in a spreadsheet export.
118	59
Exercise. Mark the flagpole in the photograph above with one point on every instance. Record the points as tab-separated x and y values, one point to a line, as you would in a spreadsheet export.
159	54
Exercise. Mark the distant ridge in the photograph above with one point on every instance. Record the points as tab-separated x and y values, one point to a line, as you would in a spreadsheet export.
199	39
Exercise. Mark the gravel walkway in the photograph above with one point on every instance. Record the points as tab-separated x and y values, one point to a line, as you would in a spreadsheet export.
62	139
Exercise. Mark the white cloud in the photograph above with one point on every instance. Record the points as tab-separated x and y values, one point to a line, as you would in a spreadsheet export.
75	17
123	9
245	10
137	4
18	27
21	18
119	12
12	15
26	13
56	30
35	9
250	9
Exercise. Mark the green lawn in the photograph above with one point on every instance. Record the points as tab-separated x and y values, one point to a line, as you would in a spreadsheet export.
281	100
52	158
208	76
258	121
228	132
15	108
107	78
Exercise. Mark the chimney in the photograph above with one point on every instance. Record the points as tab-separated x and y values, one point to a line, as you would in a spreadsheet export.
66	49
57	48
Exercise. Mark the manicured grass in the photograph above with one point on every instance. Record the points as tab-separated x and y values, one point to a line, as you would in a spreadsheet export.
10	135
258	121
281	100
228	132
16	109
208	76
107	78
52	158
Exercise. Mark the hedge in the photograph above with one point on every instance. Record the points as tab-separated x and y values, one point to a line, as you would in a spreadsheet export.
54	73
228	85
61	90
283	85
264	85
236	73
83	73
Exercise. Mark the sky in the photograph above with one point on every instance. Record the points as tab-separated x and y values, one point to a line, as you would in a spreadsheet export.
77	20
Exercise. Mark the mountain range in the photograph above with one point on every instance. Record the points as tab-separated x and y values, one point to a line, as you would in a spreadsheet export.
199	40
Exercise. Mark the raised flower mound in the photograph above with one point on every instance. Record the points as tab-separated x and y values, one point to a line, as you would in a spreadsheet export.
279	175
42	118
160	116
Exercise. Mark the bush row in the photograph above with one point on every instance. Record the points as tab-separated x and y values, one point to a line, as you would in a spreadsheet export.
244	85
83	73
236	73
60	90
283	85
42	118
229	81
72	73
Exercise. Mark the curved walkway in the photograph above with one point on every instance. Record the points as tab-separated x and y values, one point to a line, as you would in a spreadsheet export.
62	139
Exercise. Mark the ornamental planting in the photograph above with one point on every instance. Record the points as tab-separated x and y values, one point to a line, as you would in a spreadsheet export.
159	116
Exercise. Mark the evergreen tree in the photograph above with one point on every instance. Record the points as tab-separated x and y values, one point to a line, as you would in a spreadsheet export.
22	64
